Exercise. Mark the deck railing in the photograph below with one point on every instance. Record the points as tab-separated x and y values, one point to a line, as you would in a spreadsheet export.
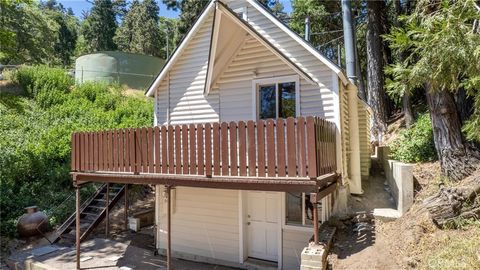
292	147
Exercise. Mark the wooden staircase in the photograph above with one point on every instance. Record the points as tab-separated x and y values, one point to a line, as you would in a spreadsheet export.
92	212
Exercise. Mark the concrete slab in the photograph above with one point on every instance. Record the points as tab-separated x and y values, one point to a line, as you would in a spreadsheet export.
101	254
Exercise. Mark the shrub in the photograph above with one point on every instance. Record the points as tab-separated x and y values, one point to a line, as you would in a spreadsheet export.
416	143
35	79
35	138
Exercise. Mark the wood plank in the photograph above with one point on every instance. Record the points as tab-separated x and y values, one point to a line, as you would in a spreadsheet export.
171	150
233	149
193	148
110	150
115	150
95	151
252	149
208	150
281	147
261	147
78	151
121	150
138	150
271	148
82	151
216	148
185	165
150	150
106	148
87	151
224	148
200	150
178	150
311	149
242	148
291	149
126	150
131	134
72	153
144	150
157	156
301	147
164	140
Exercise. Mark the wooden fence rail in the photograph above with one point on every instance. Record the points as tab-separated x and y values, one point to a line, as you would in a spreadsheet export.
292	147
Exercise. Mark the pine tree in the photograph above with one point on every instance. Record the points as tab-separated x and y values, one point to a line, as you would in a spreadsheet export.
140	32
99	27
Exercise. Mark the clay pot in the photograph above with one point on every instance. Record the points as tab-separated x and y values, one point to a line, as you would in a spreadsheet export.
28	222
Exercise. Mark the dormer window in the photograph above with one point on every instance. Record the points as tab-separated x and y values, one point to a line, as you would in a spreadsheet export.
241	12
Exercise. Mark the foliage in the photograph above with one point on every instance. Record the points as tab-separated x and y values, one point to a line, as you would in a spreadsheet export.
27	35
36	79
139	32
189	11
416	143
36	132
99	27
67	30
442	45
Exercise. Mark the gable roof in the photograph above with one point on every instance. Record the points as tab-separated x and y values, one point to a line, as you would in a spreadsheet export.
212	6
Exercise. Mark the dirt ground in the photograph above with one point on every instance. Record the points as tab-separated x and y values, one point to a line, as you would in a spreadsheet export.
410	242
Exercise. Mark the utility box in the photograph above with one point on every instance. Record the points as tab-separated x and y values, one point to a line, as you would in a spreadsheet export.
141	219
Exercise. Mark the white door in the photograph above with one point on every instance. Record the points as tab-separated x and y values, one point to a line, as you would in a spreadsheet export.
263	221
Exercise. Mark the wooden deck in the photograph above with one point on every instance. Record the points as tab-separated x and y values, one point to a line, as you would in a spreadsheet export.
283	153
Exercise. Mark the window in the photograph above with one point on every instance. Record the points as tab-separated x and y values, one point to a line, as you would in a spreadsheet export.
277	100
299	209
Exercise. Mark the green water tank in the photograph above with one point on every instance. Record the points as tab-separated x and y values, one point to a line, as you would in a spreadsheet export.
136	71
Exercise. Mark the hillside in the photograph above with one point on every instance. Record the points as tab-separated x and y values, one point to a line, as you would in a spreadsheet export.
39	109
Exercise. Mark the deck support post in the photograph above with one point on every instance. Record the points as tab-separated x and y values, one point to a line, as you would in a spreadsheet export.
314	201
107	211
169	226
126	207
77	224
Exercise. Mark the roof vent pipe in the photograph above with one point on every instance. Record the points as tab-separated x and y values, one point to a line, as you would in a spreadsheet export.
307	28
349	41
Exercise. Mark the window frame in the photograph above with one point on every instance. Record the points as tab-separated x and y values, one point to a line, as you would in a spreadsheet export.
256	83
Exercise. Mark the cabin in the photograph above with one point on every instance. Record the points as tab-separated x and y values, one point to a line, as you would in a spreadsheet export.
257	139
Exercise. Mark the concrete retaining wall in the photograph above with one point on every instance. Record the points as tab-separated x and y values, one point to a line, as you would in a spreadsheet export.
399	177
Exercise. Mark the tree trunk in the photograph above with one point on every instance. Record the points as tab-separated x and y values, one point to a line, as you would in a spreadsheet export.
455	202
375	76
407	109
458	159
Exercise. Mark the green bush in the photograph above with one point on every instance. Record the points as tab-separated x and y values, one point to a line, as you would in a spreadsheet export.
34	79
35	134
416	143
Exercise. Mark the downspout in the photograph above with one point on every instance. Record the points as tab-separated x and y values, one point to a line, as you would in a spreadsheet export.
355	183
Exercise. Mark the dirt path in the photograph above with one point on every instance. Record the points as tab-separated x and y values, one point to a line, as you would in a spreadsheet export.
361	241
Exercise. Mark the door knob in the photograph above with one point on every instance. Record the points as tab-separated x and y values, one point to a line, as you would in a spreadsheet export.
248	223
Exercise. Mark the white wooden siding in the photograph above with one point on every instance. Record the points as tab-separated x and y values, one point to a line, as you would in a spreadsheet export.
364	133
254	61
293	243
186	81
204	222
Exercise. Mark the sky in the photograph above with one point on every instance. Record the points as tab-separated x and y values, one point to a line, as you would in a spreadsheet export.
82	5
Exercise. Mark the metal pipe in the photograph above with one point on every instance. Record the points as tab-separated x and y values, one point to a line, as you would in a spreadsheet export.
77	225
307	28
349	40
126	207
107	202
169	227
314	201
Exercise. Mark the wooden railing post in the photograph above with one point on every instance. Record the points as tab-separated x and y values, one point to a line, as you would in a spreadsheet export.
311	148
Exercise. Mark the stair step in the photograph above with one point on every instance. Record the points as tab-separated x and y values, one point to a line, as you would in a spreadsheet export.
68	236
96	207
91	214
